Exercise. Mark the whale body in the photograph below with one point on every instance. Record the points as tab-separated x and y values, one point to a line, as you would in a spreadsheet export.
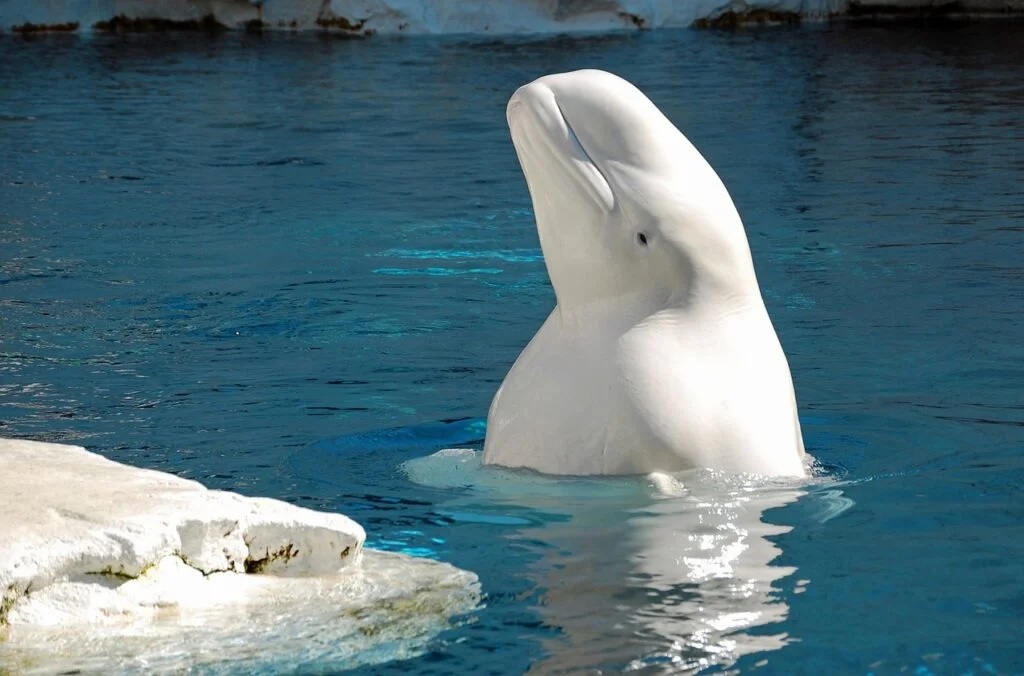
659	355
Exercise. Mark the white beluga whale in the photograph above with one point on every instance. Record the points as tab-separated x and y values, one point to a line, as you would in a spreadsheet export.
659	355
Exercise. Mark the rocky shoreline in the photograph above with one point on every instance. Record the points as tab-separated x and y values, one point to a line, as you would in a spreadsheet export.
107	552
370	17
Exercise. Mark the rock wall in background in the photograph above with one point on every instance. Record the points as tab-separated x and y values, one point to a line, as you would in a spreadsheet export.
366	17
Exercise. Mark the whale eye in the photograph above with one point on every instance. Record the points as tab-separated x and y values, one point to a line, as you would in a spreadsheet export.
641	238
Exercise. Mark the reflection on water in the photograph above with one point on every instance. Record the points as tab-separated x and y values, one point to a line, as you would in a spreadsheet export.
665	572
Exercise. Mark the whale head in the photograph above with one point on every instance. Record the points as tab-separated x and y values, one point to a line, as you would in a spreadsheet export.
625	205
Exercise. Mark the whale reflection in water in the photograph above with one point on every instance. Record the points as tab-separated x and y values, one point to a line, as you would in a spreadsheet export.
658	573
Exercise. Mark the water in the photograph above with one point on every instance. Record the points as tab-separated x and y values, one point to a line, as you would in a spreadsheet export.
244	260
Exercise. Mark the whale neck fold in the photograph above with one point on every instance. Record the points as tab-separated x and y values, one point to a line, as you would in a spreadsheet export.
719	286
722	280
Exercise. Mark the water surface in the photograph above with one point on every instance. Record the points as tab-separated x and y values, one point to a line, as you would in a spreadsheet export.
239	258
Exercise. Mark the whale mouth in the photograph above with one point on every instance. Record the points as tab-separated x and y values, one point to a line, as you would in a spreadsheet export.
539	124
582	150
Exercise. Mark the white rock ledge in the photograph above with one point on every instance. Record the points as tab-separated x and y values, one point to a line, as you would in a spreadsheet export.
74	515
103	549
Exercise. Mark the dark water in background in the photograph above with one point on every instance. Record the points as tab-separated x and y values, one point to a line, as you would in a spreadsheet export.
218	255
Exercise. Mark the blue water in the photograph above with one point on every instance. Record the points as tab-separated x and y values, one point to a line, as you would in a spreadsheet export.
279	264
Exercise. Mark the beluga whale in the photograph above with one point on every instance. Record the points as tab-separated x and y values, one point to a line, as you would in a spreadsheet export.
659	355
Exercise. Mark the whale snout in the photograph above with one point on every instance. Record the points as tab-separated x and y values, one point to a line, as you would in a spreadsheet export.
515	106
534	99
613	121
532	104
548	146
